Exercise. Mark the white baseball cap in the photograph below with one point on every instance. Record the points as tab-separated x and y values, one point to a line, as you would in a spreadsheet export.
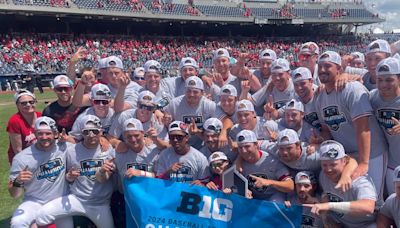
309	48
267	54
228	89
305	177
89	122
396	56
102	63
188	61
132	124
146	97
331	150
358	56
194	82
45	123
379	46
137	71
152	66
330	56
280	65
114	61
388	66
246	136
212	125
300	74
244	105
178	126
396	174
217	156
294	105
221	52
62	81
23	92
100	92
287	137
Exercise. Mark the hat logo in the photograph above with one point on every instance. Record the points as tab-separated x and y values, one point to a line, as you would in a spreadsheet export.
93	122
398	175
112	63
384	68
131	125
147	97
227	91
188	61
221	52
192	83
241	138
324	56
153	67
284	139
374	46
215	156
291	104
103	93
266	54
277	67
174	125
304	177
298	75
63	79
241	105
332	153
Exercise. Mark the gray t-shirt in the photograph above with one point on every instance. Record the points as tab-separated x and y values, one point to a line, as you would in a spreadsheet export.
267	167
195	165
391	209
260	98
131	93
85	187
310	114
221	114
105	122
119	119
305	162
367	82
259	130
384	111
361	188
263	80
145	160
338	110
304	132
48	169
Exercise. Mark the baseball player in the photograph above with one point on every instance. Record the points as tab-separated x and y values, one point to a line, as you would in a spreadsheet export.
389	213
353	208
181	162
88	197
38	173
268	178
152	77
385	102
308	57
347	116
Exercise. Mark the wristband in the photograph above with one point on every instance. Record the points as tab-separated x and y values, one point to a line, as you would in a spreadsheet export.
142	173
18	184
340	207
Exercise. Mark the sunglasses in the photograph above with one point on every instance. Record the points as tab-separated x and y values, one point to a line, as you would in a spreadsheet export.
177	137
86	132
62	89
147	107
217	164
103	102
139	78
24	103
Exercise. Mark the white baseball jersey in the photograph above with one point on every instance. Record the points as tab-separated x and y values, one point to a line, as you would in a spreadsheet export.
267	167
338	110
105	122
384	112
48	169
85	187
361	188
391	209
195	165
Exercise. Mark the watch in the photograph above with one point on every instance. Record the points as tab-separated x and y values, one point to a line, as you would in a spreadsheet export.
18	184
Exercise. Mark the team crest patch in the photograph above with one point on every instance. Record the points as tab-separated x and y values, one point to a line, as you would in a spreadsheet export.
298	75
324	57
226	91
331	153
220	52
284	139
312	119
307	221
252	185
51	170
384	68
279	104
188	61
89	168
188	120
374	47
184	174
385	117
112	63
242	105
192	83
138	166
148	98
266	54
333	118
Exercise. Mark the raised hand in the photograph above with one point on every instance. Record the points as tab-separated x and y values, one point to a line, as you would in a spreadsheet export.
24	176
81	53
260	182
269	108
108	166
72	174
395	130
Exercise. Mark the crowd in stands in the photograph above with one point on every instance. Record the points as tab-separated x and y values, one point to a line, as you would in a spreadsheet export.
50	53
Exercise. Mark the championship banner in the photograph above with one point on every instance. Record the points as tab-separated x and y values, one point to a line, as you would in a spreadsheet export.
156	203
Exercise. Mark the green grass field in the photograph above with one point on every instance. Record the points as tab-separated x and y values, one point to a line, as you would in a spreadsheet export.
8	108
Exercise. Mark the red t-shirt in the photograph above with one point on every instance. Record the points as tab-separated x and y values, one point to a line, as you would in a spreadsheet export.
18	125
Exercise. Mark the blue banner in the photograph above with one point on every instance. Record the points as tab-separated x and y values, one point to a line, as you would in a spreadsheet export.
155	203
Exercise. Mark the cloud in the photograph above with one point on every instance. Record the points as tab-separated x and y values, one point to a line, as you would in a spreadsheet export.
388	9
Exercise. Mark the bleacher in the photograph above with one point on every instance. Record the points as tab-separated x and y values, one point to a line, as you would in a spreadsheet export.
48	3
176	9
220	11
105	5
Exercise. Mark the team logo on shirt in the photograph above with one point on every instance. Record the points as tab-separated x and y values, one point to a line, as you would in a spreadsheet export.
51	170
385	117
252	185
335	198
312	119
333	118
307	221
184	174
89	168
197	119
279	104
139	166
